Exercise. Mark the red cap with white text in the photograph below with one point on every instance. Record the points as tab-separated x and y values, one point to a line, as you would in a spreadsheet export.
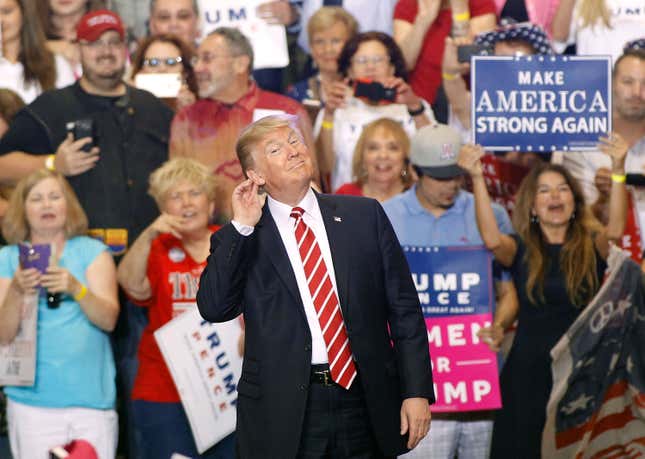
95	23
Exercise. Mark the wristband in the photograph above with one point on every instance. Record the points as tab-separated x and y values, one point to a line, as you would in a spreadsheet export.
461	17
618	178
80	295
49	163
417	112
327	124
449	76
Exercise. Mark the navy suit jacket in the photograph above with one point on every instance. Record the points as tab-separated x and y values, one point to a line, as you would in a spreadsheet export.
252	275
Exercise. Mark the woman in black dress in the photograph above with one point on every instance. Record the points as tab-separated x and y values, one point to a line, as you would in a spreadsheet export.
557	259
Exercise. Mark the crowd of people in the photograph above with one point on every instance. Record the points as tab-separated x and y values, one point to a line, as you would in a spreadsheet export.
119	149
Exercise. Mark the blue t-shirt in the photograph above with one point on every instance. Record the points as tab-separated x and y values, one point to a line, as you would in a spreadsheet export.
74	362
414	225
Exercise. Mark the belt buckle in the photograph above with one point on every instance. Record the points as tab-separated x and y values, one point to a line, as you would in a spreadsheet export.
326	374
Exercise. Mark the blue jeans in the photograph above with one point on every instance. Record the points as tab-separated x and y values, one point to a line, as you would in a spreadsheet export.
165	430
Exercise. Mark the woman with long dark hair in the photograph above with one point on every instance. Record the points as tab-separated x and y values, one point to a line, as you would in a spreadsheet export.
557	259
26	65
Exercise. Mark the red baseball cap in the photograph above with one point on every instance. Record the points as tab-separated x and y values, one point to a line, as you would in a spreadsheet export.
93	24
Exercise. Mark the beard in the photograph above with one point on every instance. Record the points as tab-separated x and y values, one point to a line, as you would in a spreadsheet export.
105	80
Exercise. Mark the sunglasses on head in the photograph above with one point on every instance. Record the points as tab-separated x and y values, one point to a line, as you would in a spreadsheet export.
157	61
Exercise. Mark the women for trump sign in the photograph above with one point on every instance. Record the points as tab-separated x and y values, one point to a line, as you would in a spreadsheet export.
455	287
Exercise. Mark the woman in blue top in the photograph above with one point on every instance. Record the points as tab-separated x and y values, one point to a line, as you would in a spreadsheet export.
74	391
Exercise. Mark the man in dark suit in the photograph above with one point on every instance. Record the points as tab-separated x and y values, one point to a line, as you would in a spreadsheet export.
336	360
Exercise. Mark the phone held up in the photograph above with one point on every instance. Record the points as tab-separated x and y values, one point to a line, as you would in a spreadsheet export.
83	128
465	52
373	91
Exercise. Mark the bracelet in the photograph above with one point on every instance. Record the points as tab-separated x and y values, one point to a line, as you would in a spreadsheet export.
461	17
80	295
618	178
449	76
417	111
49	163
328	125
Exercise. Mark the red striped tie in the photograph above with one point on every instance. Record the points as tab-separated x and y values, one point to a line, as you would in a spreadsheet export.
326	303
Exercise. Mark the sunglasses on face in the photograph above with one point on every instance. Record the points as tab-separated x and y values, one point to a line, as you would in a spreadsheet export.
157	61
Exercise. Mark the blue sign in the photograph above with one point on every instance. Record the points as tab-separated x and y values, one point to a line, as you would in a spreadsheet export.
454	280
540	103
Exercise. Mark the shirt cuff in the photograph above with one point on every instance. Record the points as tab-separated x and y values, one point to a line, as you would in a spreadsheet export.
244	230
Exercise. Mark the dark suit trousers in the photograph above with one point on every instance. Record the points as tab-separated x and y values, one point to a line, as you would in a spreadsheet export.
337	425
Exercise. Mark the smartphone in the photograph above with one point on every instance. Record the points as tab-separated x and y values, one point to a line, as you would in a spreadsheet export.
635	179
162	85
465	52
374	91
80	129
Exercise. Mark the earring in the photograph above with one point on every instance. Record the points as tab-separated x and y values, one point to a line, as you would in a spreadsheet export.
404	173
573	215
534	218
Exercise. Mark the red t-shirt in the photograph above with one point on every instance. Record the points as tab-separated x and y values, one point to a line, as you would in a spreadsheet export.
425	78
174	278
353	189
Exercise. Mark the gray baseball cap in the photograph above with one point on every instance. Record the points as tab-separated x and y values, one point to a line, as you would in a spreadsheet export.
434	150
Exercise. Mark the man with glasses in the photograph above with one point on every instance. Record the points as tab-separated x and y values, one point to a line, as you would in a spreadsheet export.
106	137
229	100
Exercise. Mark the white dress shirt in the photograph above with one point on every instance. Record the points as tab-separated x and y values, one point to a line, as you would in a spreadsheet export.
313	219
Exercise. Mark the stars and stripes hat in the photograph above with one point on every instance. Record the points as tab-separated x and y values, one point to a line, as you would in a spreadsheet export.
639	43
530	33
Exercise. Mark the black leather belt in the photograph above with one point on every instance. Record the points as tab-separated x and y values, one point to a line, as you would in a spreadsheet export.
320	374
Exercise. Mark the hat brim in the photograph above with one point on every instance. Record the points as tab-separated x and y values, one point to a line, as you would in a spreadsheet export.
442	172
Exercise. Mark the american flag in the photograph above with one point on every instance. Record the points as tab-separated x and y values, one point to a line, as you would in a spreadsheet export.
597	405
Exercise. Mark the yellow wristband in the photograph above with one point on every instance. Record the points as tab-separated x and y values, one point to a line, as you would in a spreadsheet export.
461	17
449	76
618	178
327	124
80	295
49	163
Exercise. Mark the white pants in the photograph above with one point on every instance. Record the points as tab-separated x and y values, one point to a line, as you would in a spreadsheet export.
34	430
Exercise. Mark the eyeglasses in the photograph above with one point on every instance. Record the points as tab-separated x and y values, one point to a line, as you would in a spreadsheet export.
100	44
157	61
374	60
207	58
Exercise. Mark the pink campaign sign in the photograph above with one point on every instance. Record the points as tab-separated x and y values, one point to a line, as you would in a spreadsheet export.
463	367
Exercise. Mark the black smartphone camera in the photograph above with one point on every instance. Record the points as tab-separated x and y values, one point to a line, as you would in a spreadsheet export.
374	91
80	129
635	180
465	52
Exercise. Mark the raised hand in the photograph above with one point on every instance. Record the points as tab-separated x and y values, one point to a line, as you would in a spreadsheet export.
71	160
166	223
469	159
616	148
277	12
247	202
335	95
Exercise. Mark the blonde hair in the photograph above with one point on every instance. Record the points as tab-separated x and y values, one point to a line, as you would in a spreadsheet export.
178	170
326	16
578	254
15	227
401	137
256	132
591	11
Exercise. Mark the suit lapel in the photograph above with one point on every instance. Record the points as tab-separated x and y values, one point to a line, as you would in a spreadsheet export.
339	245
275	252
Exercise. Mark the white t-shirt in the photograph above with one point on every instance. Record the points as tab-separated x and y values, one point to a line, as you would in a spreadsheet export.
584	164
627	20
12	77
348	125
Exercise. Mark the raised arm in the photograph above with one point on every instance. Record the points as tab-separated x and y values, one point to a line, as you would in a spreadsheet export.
561	24
222	283
133	268
410	36
453	83
616	148
503	246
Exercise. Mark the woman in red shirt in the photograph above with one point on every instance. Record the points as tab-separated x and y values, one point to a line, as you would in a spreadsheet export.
161	272
380	166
